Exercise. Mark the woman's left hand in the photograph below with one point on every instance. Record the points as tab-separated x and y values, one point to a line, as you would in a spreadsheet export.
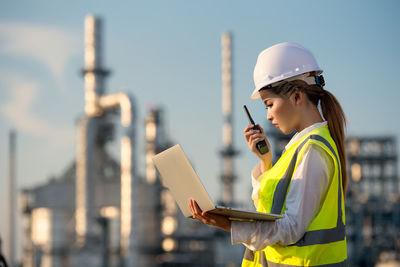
219	221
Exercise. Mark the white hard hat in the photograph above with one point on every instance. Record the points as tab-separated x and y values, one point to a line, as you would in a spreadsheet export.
284	61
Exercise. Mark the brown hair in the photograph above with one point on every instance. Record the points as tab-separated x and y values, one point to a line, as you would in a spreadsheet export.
331	110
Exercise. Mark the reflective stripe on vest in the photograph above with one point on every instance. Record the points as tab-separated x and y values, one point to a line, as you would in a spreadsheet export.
249	255
322	236
340	264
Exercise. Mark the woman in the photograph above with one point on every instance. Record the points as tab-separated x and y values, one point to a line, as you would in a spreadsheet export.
308	183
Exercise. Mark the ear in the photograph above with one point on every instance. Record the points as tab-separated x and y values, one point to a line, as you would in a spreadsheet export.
298	97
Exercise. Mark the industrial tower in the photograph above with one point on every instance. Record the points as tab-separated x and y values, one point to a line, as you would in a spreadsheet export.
100	212
90	130
85	218
228	152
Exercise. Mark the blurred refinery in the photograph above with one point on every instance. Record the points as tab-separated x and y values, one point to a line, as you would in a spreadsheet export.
101	212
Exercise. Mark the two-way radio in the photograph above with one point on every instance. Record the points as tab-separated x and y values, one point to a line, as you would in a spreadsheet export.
262	145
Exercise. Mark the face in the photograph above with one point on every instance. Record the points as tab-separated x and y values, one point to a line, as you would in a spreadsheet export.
281	111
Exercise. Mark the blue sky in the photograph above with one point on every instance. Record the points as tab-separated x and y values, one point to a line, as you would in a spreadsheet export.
167	53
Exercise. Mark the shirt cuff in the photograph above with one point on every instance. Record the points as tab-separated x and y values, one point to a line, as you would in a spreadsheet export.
235	235
245	232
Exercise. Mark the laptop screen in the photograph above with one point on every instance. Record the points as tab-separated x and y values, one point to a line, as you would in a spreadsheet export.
180	178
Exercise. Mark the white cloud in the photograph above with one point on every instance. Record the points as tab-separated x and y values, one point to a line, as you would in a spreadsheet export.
49	45
23	94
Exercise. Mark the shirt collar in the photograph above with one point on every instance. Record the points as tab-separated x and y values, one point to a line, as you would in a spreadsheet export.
305	131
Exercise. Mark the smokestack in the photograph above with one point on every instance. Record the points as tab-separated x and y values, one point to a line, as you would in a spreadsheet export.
84	178
94	73
12	199
96	104
94	76
228	151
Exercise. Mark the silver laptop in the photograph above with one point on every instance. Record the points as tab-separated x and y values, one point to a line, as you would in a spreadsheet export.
179	177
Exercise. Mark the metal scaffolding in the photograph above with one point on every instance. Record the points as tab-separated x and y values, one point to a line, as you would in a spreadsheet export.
373	202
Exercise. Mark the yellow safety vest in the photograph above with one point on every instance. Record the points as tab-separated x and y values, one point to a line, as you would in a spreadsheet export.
324	243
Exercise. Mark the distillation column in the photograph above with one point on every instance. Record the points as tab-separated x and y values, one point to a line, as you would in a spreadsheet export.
228	152
96	105
94	77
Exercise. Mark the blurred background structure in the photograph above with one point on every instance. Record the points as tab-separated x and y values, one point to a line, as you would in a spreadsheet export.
171	59
372	201
119	218
96	229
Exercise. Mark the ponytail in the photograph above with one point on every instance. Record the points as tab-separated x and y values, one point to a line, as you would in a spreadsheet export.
331	110
334	114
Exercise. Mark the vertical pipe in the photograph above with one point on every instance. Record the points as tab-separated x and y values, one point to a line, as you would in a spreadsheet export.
105	226
12	191
227	136
153	230
84	178
151	134
94	74
127	179
126	105
28	247
126	193
226	89
96	103
93	43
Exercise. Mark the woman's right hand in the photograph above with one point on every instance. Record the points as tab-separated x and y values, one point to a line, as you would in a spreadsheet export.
252	138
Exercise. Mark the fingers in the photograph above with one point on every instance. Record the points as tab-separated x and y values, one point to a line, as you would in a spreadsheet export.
248	128
207	218
200	215
248	132
195	209
191	207
256	137
253	136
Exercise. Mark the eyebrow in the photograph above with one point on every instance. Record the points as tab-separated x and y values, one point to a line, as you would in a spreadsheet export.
265	101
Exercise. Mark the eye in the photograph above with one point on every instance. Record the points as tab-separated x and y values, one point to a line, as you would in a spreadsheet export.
268	106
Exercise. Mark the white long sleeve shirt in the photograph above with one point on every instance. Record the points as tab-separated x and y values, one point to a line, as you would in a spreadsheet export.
309	184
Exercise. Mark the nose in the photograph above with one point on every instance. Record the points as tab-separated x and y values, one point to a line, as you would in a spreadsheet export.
269	116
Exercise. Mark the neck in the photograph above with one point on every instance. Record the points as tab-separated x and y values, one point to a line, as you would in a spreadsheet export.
309	118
